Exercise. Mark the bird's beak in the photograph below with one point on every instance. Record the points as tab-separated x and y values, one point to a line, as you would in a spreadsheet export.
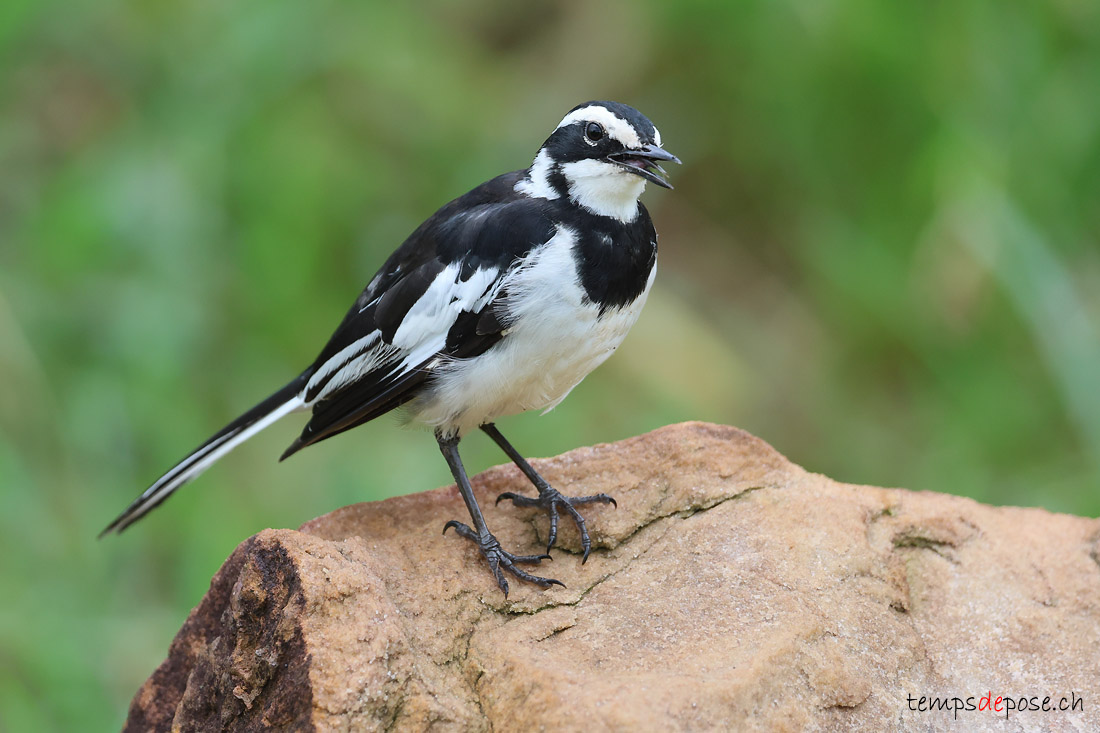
643	162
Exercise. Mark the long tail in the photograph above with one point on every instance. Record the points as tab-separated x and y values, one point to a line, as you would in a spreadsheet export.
283	402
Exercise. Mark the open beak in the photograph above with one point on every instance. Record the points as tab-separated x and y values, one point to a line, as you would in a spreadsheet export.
643	162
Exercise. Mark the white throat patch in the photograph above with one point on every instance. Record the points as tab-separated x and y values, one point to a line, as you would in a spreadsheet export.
604	188
599	186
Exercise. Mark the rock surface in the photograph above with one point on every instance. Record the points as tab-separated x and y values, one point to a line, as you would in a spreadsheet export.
730	589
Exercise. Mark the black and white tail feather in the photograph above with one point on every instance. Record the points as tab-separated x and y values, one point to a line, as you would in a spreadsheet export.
278	405
501	302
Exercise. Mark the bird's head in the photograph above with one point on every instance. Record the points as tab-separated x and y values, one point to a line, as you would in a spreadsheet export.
600	156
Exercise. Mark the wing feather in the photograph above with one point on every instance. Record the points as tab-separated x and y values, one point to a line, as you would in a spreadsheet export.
436	297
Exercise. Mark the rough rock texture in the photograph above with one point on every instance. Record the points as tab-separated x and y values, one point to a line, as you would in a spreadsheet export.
730	589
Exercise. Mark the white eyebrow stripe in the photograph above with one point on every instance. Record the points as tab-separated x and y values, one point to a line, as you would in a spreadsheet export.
616	126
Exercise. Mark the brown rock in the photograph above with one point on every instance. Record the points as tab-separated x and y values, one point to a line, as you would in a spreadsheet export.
730	590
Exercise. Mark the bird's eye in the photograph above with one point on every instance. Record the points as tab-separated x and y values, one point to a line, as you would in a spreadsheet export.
593	132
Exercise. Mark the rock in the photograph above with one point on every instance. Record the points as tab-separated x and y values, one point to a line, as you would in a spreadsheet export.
730	589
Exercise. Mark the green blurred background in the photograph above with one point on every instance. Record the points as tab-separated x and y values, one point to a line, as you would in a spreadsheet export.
881	256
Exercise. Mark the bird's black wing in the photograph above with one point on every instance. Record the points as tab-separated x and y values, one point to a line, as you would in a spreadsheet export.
434	298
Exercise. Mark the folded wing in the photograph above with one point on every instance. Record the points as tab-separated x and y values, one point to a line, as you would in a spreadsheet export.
437	298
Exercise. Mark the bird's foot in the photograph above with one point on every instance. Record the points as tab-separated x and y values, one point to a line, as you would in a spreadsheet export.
552	501
500	559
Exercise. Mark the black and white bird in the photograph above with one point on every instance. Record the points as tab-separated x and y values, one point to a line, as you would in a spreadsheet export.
501	302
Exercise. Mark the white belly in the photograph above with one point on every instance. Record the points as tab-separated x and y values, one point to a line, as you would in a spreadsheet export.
556	339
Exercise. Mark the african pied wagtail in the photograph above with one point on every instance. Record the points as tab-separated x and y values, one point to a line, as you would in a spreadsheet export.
502	301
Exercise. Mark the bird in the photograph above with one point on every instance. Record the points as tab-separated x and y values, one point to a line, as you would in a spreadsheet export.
499	303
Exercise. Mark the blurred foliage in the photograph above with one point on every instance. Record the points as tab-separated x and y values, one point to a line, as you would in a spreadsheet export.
881	256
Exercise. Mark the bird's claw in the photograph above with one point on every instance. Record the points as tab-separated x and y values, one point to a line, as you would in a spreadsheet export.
552	500
500	559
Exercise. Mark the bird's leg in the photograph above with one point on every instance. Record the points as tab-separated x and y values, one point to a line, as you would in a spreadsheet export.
499	559
549	498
